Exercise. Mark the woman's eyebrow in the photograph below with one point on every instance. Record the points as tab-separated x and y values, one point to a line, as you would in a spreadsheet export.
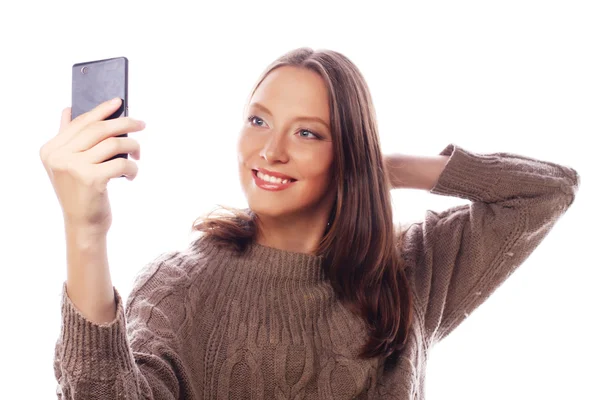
302	118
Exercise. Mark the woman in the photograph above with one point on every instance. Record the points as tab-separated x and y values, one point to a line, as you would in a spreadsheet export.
310	292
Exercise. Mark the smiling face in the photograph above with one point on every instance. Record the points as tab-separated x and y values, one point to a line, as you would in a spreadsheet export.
286	134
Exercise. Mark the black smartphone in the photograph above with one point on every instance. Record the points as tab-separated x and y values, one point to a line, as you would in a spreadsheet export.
95	82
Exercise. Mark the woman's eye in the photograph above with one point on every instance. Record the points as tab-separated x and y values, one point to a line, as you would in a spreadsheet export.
254	117
309	132
254	120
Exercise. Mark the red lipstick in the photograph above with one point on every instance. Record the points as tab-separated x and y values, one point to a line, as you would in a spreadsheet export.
275	174
271	186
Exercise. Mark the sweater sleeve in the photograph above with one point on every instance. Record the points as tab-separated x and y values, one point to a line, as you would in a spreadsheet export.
463	254
137	355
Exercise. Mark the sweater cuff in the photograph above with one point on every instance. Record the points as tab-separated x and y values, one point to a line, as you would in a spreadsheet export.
95	351
468	175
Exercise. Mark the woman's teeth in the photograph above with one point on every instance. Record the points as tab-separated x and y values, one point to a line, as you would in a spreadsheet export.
271	179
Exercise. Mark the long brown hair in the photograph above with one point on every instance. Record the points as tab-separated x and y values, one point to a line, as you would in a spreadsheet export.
360	247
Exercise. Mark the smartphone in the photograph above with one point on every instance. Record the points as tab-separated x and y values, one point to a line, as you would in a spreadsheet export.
95	82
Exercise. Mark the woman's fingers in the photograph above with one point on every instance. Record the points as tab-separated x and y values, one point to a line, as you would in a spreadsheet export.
117	168
65	119
98	113
71	128
111	147
102	130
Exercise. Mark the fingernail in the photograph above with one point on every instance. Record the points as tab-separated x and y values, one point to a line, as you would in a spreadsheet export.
116	100
142	124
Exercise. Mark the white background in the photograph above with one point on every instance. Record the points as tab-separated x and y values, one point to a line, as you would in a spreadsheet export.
517	76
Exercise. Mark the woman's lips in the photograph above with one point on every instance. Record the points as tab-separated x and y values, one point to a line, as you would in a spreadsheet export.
271	186
274	174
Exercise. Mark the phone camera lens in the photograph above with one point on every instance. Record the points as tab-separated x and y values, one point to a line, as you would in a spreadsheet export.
84	70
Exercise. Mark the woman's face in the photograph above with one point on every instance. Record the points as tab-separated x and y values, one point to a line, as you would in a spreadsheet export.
286	136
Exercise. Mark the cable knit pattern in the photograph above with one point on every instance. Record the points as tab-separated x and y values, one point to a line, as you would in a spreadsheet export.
205	323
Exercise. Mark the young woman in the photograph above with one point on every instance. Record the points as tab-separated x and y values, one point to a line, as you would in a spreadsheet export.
311	292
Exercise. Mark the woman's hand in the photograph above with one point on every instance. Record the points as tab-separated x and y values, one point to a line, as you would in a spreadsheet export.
74	160
414	172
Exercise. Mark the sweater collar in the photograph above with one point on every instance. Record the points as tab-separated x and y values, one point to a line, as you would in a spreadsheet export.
270	262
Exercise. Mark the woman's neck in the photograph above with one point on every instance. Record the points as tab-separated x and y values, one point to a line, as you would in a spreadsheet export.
301	236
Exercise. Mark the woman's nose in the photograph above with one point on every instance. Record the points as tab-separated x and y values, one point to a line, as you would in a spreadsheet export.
274	150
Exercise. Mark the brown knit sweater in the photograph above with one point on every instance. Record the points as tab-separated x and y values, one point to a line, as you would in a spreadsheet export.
207	324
